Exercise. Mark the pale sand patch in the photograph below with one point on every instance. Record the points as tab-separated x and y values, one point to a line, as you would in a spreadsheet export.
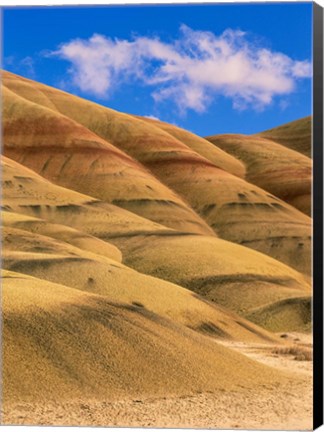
266	354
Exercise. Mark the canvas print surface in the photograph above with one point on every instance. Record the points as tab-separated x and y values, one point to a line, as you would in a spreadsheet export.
156	213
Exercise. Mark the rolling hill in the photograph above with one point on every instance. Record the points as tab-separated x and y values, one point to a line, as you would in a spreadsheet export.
238	278
279	170
147	247
82	345
285	315
192	194
138	258
201	146
72	156
56	261
296	135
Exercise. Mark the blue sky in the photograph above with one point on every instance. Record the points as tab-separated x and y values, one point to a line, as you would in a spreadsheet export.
208	68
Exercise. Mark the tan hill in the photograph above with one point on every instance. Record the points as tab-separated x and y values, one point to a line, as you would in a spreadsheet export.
296	135
201	146
70	155
285	173
292	314
63	344
236	210
60	232
127	132
130	275
26	192
241	212
132	234
231	275
57	261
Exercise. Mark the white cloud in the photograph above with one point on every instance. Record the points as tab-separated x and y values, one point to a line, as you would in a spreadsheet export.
191	71
302	69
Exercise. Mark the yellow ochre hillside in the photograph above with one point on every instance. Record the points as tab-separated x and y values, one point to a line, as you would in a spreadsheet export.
285	173
192	194
296	135
143	264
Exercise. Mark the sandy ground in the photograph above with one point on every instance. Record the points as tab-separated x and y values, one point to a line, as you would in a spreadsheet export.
264	354
280	409
288	407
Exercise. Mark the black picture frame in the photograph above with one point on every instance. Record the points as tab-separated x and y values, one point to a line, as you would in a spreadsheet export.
318	214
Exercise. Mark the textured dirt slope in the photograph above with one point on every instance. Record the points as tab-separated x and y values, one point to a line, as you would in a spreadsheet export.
201	146
285	173
117	289
292	314
123	130
148	247
59	262
60	232
296	135
228	274
235	209
26	192
68	154
241	212
110	350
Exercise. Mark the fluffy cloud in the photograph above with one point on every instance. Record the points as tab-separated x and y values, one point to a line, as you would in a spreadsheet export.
191	71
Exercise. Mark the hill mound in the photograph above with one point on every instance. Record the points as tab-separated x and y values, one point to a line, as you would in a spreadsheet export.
59	262
201	146
238	278
61	232
241	212
233	208
26	192
124	131
82	346
145	246
292	314
296	135
285	173
72	156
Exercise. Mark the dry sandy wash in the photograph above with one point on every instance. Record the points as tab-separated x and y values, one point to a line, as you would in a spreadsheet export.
152	277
